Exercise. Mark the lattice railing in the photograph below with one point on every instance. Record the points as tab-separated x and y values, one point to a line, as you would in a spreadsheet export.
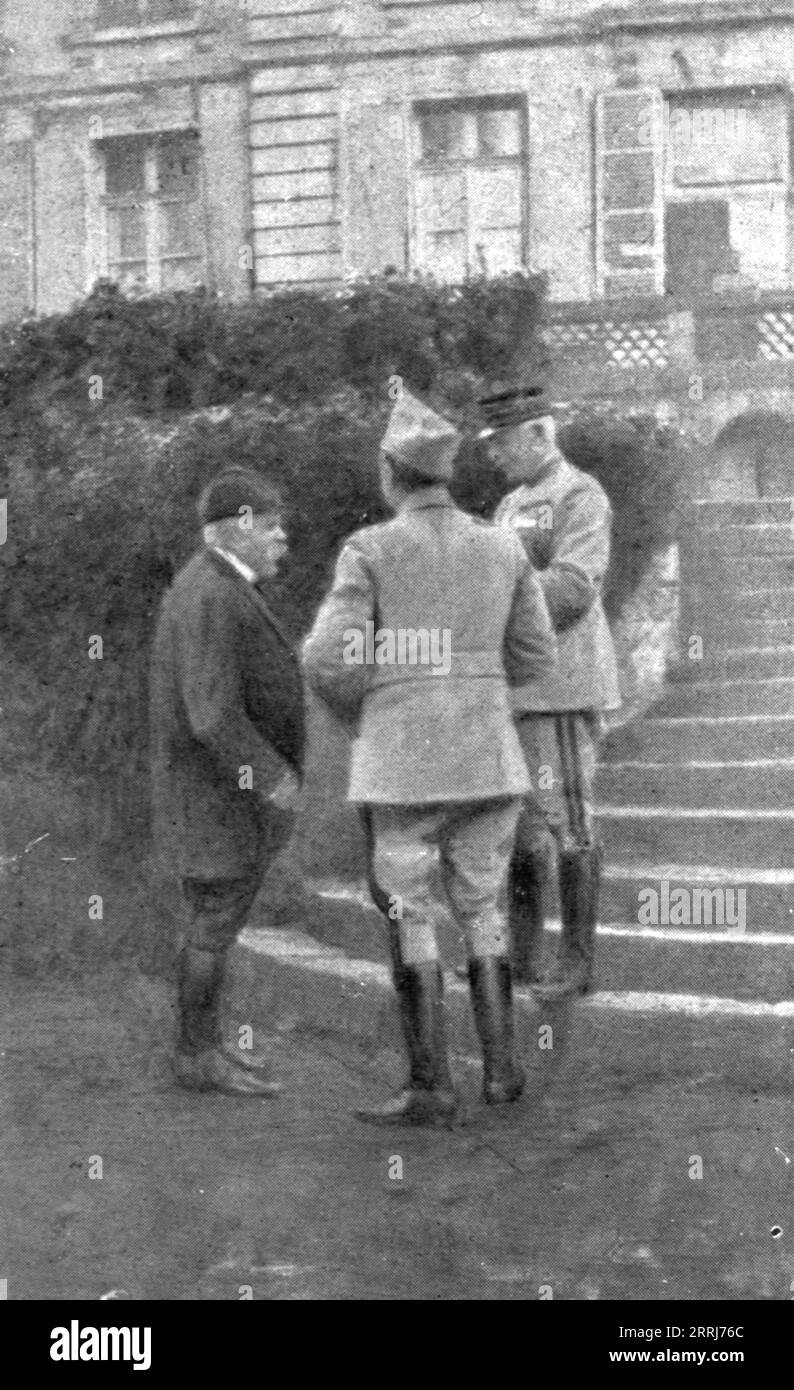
611	341
754	332
656	333
776	334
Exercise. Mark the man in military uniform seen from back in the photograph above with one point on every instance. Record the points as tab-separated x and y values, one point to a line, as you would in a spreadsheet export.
436	763
564	518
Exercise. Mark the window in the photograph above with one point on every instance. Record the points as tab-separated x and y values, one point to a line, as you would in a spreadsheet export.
732	138
469	189
153	212
726	191
125	14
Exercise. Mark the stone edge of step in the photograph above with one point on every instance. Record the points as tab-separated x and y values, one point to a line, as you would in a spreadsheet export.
364	980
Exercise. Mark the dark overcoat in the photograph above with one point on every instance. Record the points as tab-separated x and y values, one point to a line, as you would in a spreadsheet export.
226	695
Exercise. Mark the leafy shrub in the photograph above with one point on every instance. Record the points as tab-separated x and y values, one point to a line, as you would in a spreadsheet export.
186	351
641	466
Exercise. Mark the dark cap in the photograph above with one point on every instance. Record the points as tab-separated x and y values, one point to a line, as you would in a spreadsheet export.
513	406
233	489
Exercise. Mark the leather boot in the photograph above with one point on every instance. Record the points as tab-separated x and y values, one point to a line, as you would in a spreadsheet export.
525	916
572	972
492	997
428	1096
199	1062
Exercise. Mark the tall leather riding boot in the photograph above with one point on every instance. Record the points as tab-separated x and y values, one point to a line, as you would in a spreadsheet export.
525	916
492	997
199	1062
572	972
428	1095
199	983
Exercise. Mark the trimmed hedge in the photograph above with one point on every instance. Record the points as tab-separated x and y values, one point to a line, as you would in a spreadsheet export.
102	491
187	351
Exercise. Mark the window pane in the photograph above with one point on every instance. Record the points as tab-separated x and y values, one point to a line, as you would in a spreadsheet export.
129	278
495	196
441	202
443	135
445	256
177	166
126	233
181	275
180	231
500	133
496	252
124	167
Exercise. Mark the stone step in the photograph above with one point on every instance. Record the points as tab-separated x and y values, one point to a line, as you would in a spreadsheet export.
709	570
741	513
742	664
709	609
342	914
752	835
286	981
692	739
721	948
763	784
769	900
758	538
754	697
726	631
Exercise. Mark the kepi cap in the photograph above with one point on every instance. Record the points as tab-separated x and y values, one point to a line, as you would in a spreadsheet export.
420	439
513	406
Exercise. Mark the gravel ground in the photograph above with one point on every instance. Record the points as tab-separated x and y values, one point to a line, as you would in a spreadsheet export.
585	1191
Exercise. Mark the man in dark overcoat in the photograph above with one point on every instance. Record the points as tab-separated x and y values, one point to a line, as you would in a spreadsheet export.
227	738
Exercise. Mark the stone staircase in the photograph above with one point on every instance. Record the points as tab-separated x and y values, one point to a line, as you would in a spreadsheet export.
697	793
700	791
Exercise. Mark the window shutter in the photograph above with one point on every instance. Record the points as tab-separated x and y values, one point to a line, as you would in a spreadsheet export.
629	193
375	198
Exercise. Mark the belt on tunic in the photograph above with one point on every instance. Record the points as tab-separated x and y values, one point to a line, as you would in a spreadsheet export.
463	666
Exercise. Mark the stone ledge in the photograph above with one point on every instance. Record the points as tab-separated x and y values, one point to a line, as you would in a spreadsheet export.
283	981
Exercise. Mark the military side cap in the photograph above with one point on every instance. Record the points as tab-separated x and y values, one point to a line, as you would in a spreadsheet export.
420	439
513	406
233	489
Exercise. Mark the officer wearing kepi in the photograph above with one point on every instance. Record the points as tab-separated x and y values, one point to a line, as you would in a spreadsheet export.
563	517
436	764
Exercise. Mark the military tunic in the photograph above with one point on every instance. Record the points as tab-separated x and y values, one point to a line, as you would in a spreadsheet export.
436	759
564	519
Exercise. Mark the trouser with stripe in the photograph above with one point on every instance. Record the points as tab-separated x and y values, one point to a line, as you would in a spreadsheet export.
560	752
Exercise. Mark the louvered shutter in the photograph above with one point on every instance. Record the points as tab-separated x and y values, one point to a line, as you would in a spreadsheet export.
630	200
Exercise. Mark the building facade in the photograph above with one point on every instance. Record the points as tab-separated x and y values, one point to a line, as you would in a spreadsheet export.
630	150
119	122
